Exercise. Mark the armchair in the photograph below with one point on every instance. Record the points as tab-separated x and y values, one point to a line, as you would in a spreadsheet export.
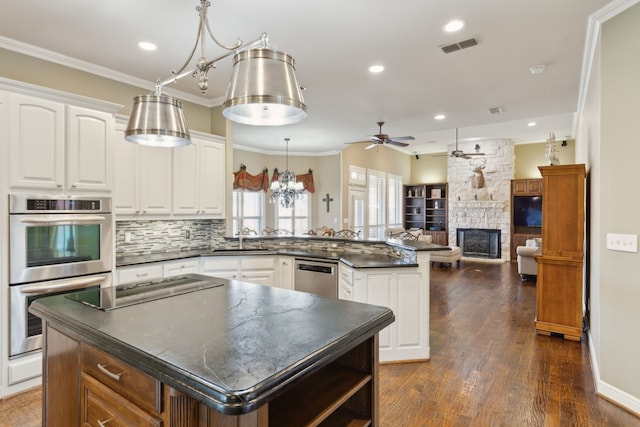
527	265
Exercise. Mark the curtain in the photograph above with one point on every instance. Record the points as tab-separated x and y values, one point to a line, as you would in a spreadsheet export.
244	180
306	179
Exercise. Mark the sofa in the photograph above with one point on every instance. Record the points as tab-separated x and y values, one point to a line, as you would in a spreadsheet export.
527	265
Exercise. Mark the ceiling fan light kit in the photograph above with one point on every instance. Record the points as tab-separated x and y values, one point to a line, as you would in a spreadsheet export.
262	91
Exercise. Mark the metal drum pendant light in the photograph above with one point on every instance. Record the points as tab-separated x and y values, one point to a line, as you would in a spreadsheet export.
263	91
158	121
273	99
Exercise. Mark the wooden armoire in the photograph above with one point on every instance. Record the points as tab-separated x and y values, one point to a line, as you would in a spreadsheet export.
559	297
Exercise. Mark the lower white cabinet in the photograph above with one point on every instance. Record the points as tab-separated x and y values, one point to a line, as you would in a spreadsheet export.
180	267
258	269
284	272
139	273
404	290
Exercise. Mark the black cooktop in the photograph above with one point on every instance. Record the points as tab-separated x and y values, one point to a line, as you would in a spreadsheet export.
114	297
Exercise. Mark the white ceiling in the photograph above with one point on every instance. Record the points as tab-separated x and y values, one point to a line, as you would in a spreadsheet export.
333	43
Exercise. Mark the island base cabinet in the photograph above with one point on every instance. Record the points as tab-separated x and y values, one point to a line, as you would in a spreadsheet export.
86	386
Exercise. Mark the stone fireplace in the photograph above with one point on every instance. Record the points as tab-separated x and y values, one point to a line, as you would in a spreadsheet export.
485	207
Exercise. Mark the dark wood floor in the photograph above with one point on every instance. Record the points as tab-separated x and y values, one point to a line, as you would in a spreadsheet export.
488	367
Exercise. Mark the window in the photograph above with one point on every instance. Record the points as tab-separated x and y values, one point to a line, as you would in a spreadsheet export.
394	201
296	219
248	206
376	205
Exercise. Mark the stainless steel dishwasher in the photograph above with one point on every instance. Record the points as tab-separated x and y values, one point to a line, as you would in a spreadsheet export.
316	277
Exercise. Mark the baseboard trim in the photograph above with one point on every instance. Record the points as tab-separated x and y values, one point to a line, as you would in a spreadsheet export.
607	391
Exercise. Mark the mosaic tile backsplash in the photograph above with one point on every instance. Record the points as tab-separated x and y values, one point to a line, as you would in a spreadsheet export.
151	236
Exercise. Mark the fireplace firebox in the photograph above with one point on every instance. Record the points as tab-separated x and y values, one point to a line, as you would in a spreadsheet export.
479	242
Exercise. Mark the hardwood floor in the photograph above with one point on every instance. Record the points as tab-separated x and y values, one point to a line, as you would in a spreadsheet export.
488	367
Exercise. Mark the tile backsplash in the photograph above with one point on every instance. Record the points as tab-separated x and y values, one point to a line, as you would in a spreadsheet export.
147	236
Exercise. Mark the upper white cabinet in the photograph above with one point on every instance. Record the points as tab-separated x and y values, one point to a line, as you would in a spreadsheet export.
198	177
165	182
56	146
142	177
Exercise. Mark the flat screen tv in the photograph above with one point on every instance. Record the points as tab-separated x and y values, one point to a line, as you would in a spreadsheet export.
527	211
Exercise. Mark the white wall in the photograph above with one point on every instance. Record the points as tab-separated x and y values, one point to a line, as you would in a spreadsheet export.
609	142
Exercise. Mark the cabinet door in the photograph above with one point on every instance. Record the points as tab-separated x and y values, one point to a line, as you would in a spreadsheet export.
380	291
89	149
212	177
284	272
37	135
155	180
126	194
186	188
225	267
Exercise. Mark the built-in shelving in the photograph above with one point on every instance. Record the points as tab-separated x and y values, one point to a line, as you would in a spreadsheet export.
425	207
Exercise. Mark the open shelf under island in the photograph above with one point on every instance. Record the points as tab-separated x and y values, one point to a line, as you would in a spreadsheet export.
233	353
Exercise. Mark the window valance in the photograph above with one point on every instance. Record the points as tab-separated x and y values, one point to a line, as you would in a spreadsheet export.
245	181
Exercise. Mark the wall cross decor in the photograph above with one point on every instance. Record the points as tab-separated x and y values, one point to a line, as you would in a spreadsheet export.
327	200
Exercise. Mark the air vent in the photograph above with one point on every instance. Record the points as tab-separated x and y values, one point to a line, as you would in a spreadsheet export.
459	45
495	110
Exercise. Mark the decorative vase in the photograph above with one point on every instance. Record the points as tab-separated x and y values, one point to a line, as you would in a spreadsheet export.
551	153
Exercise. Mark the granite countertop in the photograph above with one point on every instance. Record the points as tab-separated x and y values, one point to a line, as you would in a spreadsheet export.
352	259
232	347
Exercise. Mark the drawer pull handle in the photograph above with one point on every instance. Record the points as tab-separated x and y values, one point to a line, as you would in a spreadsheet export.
104	370
103	423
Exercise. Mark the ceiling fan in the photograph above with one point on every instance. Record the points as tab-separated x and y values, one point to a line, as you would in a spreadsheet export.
460	153
383	138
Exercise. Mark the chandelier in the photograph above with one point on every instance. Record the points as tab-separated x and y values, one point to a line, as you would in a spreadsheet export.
286	188
263	91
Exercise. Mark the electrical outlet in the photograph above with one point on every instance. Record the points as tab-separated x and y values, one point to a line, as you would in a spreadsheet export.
127	237
622	242
187	234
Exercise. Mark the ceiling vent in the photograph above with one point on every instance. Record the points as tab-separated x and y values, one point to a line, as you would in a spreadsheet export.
453	47
495	110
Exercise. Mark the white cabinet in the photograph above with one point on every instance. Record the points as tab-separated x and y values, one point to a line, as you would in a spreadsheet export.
284	272
180	267
404	290
139	273
199	177
258	269
143	178
59	147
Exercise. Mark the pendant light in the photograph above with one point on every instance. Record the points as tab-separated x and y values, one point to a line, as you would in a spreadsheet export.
263	91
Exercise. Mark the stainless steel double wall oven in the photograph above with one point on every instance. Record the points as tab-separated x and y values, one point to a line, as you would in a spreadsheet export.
57	245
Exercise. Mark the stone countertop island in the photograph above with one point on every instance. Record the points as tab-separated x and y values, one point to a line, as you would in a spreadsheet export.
237	352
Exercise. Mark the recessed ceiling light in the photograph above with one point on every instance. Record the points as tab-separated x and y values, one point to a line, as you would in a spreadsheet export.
376	69
531	124
439	117
147	46
453	26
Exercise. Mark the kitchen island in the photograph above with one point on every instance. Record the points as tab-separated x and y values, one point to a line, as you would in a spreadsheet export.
231	354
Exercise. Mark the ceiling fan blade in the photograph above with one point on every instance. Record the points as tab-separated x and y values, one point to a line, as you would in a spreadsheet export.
402	138
371	146
399	144
376	138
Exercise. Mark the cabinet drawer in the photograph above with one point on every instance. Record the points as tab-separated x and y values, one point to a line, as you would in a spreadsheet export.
102	406
177	268
139	274
135	386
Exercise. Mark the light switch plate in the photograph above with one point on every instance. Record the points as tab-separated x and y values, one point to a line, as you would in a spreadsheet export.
622	242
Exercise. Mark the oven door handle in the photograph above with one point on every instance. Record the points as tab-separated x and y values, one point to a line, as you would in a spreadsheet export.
79	219
67	285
